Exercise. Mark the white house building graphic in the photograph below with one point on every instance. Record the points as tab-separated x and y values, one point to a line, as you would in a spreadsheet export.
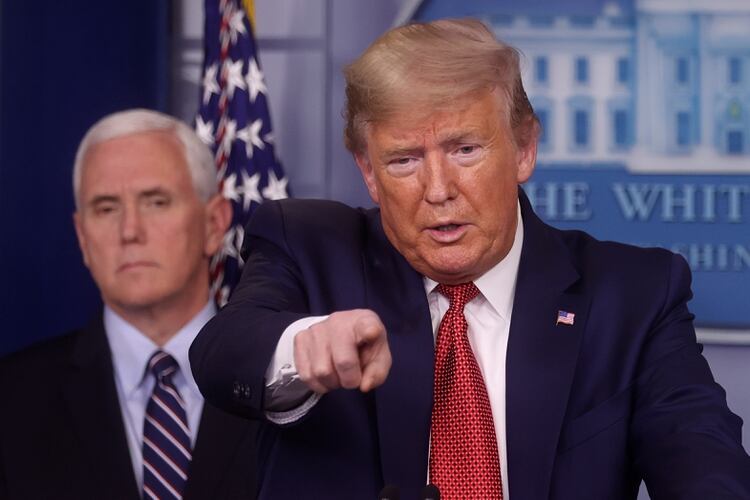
645	110
655	85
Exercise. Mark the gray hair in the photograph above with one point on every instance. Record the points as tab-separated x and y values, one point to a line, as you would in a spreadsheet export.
198	157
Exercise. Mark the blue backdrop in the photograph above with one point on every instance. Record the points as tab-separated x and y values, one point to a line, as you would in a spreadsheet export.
646	128
62	66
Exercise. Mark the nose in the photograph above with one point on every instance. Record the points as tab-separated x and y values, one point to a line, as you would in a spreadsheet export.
131	224
438	179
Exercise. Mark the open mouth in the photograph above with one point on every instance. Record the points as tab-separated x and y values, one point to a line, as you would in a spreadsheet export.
447	227
447	233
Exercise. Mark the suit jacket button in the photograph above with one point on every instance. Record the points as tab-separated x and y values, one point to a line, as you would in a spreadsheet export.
236	390
246	391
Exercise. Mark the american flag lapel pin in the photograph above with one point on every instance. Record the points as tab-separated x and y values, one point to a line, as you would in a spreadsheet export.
565	317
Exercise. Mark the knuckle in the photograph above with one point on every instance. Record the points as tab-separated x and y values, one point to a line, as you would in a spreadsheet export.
337	317
369	325
346	365
304	376
300	340
320	372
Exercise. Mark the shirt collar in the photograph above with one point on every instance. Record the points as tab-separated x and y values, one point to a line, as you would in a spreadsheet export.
498	285
131	349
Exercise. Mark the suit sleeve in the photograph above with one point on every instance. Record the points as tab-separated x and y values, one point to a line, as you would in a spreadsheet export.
230	355
3	486
3	425
686	441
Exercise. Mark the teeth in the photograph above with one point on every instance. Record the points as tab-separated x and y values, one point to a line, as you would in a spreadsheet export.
447	227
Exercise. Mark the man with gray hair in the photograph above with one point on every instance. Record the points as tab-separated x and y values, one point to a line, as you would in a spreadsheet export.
450	336
112	411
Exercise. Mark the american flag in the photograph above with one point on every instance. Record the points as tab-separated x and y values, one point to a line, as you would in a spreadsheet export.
565	317
233	120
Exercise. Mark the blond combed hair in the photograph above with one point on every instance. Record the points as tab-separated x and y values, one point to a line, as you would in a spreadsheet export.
420	67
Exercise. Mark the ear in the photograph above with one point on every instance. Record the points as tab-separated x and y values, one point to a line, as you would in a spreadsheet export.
81	237
526	160
368	174
218	217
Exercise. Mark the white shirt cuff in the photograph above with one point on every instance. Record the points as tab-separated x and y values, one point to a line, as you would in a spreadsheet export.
287	398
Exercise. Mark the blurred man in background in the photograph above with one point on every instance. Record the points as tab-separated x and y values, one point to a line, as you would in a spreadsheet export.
112	411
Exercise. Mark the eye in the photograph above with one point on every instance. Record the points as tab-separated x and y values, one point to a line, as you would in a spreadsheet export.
401	161
158	201
467	154
106	208
467	149
402	166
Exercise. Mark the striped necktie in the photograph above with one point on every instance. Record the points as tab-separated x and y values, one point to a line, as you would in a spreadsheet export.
464	460
166	440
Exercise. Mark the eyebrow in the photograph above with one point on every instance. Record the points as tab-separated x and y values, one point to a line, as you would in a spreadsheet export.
458	138
404	151
111	198
150	193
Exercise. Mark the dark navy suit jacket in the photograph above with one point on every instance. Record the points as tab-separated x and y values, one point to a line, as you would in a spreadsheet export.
62	434
593	407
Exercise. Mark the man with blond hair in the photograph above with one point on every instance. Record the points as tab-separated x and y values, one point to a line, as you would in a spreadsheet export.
112	411
449	336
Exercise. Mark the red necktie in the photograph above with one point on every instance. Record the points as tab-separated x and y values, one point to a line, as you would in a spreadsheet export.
464	461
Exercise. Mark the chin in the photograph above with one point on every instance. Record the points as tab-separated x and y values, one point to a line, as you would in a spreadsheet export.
457	268
140	299
450	275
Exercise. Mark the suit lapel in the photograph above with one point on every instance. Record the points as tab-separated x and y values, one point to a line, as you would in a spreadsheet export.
216	450
404	402
90	392
542	356
540	364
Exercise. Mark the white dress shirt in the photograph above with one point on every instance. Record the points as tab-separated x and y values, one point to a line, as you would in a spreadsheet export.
131	351
488	317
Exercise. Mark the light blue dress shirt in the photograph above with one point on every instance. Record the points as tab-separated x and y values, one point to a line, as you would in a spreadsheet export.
131	351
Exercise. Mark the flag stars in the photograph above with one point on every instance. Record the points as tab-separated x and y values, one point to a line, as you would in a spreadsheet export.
254	80
239	238
229	248
230	133
205	130
251	135
237	25
229	188
247	189
222	296
231	111
276	188
250	191
232	244
233	73
210	85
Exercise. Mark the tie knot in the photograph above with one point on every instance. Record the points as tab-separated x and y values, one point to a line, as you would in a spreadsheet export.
459	295
162	365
